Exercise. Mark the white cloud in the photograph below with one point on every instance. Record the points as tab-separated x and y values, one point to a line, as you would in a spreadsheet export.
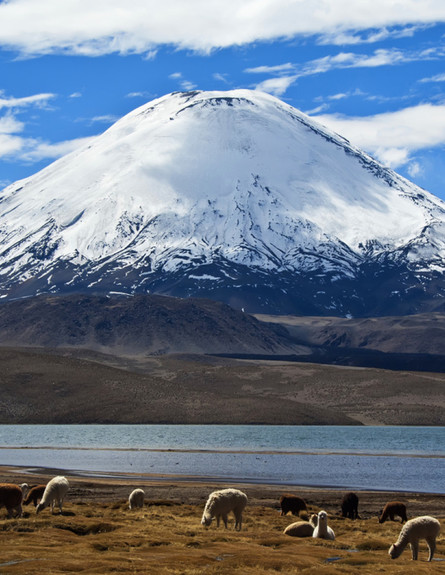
10	125
221	77
10	144
34	151
276	86
369	36
354	60
415	170
436	78
106	119
95	27
14	145
393	137
17	147
185	84
339	96
317	110
382	57
145	95
288	67
39	100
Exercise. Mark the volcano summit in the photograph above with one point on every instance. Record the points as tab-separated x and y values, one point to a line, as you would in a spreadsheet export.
235	196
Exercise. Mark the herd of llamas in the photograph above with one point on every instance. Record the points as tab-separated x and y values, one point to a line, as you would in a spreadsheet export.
223	502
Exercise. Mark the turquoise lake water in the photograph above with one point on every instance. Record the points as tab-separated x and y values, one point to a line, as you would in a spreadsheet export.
377	458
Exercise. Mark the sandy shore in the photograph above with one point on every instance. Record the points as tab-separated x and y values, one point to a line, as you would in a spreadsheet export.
107	488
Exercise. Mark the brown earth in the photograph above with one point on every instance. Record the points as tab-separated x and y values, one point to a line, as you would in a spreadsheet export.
411	334
97	533
72	386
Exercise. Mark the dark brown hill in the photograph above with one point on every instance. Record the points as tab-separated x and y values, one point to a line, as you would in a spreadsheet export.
147	324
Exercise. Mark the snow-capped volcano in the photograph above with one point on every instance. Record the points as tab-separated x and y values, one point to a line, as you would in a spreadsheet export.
231	195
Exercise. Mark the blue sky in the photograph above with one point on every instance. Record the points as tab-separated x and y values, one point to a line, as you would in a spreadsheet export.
374	71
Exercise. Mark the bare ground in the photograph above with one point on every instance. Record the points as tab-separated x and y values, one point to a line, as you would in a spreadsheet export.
69	386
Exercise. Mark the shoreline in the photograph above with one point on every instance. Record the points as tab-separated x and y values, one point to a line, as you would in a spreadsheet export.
395	473
228	451
123	478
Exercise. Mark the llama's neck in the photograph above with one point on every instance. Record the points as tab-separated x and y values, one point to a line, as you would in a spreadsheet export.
403	540
322	526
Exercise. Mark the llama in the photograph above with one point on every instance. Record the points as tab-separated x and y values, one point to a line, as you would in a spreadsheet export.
11	497
35	495
136	498
299	529
349	506
391	509
292	503
55	489
313	520
221	503
424	527
322	529
25	488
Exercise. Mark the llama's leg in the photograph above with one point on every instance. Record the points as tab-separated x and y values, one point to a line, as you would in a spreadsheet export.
217	520
224	518
238	519
431	542
414	550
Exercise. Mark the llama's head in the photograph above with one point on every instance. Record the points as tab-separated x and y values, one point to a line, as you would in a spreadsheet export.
40	507
395	551
322	517
206	519
25	489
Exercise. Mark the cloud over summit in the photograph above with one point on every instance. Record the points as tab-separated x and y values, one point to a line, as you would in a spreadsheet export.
97	27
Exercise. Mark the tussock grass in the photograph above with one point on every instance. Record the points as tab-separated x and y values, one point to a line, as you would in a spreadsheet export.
166	537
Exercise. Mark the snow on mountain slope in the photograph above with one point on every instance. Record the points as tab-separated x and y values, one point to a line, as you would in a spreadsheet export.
210	192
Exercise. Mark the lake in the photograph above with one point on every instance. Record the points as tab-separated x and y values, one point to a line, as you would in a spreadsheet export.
344	457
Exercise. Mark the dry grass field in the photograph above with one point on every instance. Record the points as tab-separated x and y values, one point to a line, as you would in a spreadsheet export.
97	533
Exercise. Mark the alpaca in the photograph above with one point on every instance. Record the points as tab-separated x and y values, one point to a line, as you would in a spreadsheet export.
424	527
136	498
25	488
349	506
221	503
391	509
55	489
322	529
313	520
299	529
11	497
35	495
292	503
